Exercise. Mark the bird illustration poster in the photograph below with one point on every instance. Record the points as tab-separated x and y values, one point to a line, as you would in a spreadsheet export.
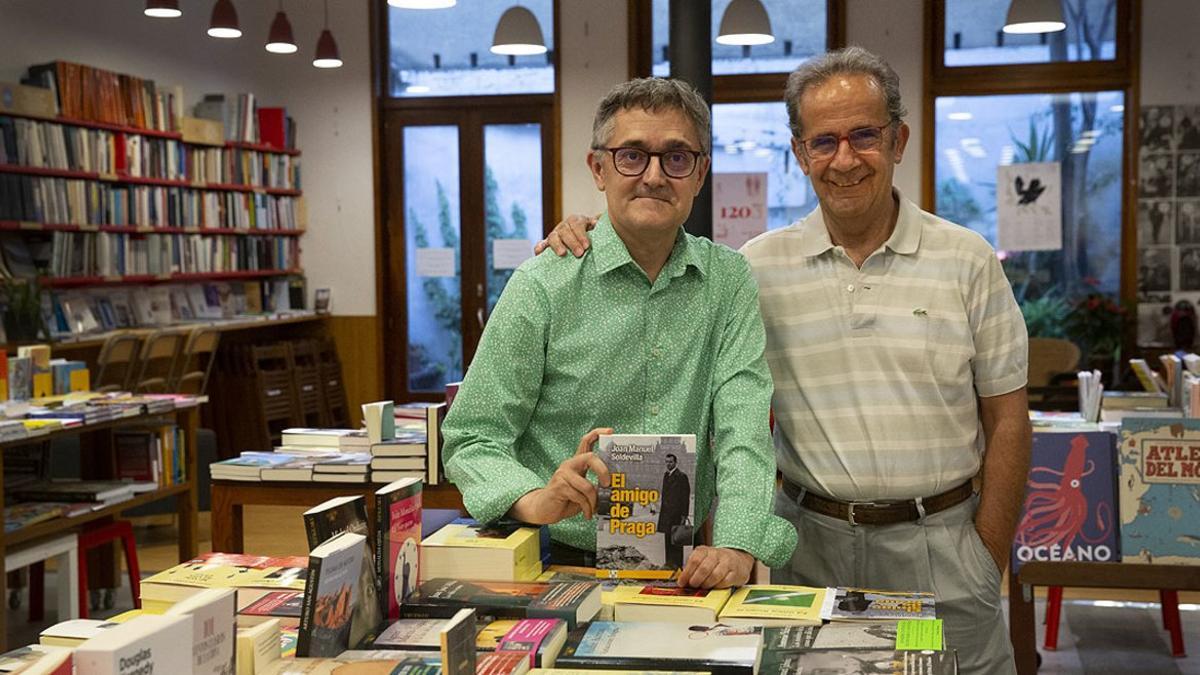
1029	207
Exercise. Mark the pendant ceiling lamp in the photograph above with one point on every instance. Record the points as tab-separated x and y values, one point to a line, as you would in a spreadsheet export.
280	39
163	9
422	4
1034	16
224	22
327	50
745	23
518	34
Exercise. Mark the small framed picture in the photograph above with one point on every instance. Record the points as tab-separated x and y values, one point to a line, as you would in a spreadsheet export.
321	301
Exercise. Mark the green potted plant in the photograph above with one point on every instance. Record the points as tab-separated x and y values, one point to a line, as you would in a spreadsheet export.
22	310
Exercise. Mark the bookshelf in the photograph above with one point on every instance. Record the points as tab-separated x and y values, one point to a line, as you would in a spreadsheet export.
187	417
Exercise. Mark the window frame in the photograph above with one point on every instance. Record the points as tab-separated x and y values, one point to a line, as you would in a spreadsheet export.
470	114
1119	74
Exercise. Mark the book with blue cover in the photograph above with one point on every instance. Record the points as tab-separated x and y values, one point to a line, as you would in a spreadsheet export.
1159	490
1070	499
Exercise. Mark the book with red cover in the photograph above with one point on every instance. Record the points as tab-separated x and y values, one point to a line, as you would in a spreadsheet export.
272	127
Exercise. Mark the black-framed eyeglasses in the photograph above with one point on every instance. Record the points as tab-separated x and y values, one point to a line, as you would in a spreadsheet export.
674	163
863	139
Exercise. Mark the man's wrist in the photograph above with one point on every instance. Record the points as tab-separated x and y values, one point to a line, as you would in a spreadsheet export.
524	509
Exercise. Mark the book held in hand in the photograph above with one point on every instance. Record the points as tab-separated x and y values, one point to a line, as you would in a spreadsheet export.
330	595
645	519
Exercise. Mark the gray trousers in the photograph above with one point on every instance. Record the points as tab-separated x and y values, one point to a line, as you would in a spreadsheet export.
944	555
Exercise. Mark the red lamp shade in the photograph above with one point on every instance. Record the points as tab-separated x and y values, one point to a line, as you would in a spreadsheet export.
280	40
327	52
224	22
163	9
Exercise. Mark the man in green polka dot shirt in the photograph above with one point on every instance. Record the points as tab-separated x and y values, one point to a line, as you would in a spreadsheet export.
653	331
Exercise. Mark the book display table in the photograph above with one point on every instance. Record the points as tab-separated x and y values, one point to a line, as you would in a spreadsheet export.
187	417
230	496
1021	626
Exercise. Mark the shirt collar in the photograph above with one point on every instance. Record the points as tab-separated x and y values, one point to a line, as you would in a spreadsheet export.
610	252
905	238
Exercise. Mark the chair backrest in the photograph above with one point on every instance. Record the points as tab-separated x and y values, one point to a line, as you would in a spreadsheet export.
117	361
1049	357
159	354
196	361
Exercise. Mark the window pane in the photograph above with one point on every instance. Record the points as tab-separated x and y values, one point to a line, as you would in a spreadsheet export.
754	138
974	36
799	29
512	190
445	52
1083	131
431	192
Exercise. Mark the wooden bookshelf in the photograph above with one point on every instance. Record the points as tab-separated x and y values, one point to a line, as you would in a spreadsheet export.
147	229
186	493
132	279
139	180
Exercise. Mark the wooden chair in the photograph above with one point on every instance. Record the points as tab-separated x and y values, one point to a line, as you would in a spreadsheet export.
276	390
159	354
117	362
196	361
1052	374
306	376
334	389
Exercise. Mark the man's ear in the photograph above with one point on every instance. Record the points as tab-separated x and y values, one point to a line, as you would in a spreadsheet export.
902	133
595	162
798	151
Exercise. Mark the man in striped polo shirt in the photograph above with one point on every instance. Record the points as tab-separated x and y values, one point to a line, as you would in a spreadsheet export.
899	359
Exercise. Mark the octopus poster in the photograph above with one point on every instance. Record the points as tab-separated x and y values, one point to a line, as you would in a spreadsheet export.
1159	490
1070	499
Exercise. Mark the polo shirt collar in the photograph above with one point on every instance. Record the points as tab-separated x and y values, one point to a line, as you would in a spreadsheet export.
610	252
905	237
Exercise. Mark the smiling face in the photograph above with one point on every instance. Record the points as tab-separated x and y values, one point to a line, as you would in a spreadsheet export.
853	187
651	203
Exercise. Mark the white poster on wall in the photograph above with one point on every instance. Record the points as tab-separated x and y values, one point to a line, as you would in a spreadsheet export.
508	254
435	262
1029	207
739	207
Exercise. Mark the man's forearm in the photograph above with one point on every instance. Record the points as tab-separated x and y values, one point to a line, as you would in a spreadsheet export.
1005	469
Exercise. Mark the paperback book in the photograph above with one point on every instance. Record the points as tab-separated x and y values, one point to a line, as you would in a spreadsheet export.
861	604
330	595
397	538
541	639
349	514
858	662
37	660
669	603
645	519
1070	499
574	602
473	551
1160	478
147	643
281	606
775	605
457	639
214	630
716	648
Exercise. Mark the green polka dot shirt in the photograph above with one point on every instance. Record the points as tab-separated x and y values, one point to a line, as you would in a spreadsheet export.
579	343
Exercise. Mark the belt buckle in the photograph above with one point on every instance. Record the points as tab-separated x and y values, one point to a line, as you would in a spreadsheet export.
850	510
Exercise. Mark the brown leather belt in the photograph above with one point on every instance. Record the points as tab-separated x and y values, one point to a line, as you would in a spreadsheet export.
878	513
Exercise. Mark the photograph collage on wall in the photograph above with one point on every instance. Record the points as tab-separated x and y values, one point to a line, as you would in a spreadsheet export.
1168	218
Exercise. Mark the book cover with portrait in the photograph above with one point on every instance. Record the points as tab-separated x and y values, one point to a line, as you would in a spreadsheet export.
645	518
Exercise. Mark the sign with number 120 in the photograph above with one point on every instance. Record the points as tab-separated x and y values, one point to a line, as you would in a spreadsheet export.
739	207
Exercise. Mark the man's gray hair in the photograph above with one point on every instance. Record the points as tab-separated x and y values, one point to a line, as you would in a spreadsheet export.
846	61
652	94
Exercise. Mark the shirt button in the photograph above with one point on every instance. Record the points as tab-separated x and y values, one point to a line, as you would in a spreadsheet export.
656	352
850	288
654	409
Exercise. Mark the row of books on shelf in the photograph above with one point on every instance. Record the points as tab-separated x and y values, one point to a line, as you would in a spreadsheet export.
108	254
92	94
84	312
84	203
357	600
408	446
83	93
32	373
50	145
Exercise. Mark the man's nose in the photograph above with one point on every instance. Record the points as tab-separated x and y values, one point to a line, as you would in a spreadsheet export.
653	175
844	157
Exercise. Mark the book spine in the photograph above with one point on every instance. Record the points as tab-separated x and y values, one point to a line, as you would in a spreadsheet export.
311	530
309	607
383	556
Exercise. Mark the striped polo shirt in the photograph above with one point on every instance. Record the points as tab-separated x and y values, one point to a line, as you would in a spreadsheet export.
877	368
